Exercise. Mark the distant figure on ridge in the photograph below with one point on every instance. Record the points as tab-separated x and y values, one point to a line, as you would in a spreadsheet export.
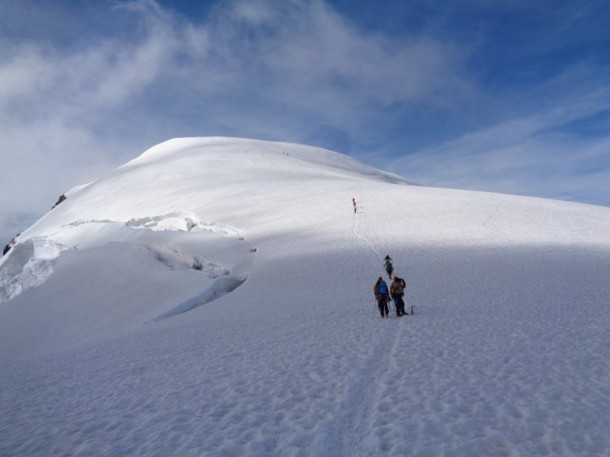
397	291
382	294
389	268
354	202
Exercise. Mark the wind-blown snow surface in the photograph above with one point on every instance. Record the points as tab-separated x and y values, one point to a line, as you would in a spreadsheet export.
214	297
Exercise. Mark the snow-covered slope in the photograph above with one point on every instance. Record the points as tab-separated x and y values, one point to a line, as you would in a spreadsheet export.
214	297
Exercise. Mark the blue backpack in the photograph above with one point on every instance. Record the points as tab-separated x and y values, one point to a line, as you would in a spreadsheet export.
383	288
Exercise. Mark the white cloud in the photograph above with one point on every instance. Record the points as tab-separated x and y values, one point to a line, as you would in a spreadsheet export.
299	56
321	62
23	74
528	156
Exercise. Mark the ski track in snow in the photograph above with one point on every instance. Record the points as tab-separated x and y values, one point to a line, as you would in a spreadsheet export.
368	243
356	430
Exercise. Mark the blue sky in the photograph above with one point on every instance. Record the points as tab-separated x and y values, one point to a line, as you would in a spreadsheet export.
510	96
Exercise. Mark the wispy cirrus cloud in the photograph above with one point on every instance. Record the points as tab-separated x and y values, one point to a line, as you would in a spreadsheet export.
535	153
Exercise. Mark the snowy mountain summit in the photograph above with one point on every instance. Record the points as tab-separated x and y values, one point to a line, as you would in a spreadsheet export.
214	297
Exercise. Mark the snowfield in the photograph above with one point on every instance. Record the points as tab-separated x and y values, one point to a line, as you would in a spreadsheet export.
213	297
